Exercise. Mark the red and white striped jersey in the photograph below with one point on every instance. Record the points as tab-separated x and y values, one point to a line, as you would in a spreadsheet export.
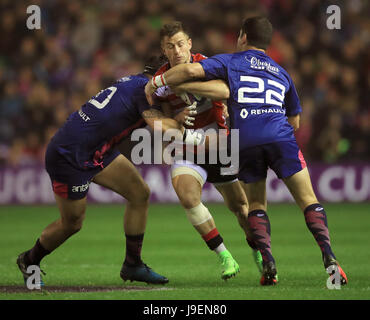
209	113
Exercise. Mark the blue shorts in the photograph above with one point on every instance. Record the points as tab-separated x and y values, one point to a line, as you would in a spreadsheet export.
284	157
69	181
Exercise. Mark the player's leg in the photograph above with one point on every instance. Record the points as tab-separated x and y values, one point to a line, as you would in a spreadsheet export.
122	177
291	167
259	230
70	187
256	195
188	183
300	186
252	175
189	192
236	200
72	214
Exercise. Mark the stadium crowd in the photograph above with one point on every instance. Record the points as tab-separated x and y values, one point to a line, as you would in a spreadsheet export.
83	46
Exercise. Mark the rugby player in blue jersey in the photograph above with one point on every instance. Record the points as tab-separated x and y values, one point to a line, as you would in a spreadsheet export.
264	106
83	151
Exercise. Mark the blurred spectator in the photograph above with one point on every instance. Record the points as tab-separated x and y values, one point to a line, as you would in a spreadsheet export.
85	45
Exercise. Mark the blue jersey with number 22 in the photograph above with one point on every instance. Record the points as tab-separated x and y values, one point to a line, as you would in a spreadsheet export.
262	95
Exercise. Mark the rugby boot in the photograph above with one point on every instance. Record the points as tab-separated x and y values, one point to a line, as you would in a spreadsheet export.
142	273
22	265
229	266
269	274
330	261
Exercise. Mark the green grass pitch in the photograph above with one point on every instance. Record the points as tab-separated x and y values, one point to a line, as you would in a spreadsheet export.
172	247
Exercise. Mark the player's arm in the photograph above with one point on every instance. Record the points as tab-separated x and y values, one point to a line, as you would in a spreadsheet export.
184	117
163	112
152	115
293	106
212	89
294	121
167	110
174	76
188	136
208	69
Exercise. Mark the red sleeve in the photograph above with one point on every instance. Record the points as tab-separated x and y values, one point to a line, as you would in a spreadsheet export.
162	69
198	57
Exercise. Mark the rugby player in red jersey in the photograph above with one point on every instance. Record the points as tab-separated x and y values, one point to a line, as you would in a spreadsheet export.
189	176
264	106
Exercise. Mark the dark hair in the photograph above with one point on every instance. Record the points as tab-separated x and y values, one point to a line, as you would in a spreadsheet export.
153	63
170	29
258	30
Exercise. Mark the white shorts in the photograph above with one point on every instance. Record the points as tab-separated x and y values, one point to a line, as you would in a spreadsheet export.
201	173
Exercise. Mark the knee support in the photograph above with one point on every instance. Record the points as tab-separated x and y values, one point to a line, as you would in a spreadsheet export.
198	214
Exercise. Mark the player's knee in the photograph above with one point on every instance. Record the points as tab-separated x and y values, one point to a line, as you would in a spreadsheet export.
242	214
73	224
189	201
145	193
198	214
140	194
75	227
72	227
239	207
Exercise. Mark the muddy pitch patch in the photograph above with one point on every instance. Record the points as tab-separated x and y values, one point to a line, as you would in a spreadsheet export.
56	289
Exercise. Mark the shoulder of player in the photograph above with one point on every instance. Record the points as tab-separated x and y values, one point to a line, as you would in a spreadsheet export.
225	56
250	55
134	85
283	72
132	79
199	57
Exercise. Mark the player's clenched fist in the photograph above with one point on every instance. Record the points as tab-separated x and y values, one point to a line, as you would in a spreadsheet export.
154	84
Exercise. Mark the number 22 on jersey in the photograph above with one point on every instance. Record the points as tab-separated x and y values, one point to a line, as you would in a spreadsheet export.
272	96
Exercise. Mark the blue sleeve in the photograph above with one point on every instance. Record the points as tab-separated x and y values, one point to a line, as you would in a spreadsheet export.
141	102
216	67
143	105
291	101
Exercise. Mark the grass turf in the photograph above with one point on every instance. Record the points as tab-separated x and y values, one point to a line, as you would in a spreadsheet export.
173	248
